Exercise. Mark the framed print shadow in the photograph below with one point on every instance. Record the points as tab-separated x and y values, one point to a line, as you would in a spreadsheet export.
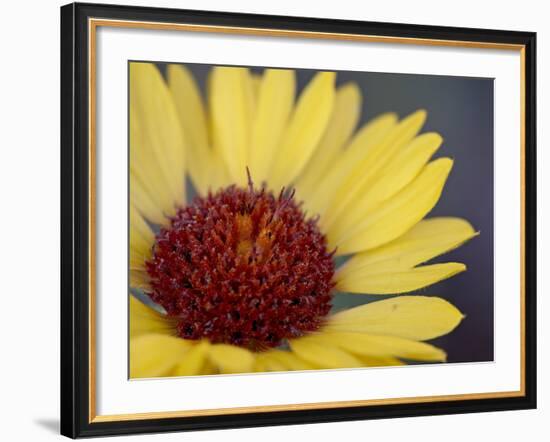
278	220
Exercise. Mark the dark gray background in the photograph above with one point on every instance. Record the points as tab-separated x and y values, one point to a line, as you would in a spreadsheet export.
461	110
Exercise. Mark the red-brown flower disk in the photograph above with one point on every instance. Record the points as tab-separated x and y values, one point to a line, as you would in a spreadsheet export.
242	267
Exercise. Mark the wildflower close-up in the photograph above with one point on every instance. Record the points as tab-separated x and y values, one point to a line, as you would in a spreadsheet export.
254	204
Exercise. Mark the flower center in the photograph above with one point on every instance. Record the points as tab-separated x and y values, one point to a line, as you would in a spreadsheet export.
242	267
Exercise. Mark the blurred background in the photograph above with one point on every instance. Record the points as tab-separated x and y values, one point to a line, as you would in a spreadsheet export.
461	110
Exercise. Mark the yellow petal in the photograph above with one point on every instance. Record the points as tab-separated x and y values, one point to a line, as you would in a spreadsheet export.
426	240
288	359
275	102
139	279
145	320
194	361
218	174
231	99
265	362
192	117
411	317
390	268
404	167
381	346
145	202
142	239
342	123
371	134
312	349
157	158
364	161
398	214
256	80
231	359
399	172
389	281
143	235
154	355
305	129
386	361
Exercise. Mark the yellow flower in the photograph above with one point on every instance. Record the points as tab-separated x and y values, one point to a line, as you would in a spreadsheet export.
243	274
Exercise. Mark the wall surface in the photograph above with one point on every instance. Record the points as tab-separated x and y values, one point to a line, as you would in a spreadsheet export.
29	171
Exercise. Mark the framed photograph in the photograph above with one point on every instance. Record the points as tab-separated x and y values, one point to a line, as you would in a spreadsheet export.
279	220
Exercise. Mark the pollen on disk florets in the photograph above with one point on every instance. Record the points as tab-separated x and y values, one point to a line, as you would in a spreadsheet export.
243	267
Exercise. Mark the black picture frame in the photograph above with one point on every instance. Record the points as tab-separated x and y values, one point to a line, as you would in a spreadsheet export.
75	221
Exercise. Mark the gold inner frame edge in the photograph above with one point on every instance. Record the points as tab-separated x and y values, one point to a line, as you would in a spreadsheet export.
93	24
